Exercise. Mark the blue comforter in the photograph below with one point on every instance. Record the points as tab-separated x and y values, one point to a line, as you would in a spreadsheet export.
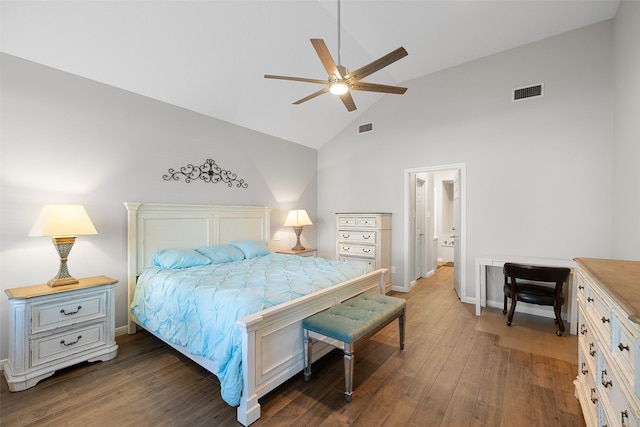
198	307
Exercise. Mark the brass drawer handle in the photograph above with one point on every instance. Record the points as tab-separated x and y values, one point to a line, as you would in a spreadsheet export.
603	379
624	415
69	313
67	344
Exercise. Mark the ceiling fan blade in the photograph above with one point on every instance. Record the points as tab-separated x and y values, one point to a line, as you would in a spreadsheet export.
325	57
378	64
313	95
295	79
347	100
373	87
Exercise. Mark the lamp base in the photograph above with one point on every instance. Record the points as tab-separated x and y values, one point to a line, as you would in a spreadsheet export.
298	246
62	282
63	246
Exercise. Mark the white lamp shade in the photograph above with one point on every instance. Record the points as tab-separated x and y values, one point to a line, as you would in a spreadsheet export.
297	218
63	220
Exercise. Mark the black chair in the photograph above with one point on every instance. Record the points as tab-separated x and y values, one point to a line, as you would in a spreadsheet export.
535	285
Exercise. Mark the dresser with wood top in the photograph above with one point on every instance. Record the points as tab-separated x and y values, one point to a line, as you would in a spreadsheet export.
51	328
608	380
365	236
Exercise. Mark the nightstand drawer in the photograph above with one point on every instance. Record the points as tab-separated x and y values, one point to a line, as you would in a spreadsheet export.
64	344
68	311
357	250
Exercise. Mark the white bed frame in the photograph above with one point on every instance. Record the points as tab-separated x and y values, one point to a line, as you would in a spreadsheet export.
272	339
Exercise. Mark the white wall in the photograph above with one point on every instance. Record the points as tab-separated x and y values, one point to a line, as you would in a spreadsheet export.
626	135
66	139
539	172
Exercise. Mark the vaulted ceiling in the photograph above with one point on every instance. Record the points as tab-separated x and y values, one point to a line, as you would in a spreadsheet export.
211	56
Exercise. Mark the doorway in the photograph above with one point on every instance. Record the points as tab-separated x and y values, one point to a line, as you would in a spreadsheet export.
421	240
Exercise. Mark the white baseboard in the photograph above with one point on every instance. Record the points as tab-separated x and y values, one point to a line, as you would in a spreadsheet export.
122	330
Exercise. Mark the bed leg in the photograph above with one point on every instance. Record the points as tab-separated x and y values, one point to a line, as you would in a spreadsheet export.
308	345
249	410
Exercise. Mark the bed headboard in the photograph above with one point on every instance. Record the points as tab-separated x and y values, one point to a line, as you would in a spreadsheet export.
155	226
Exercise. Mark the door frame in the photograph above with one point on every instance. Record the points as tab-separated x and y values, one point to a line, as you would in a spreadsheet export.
409	249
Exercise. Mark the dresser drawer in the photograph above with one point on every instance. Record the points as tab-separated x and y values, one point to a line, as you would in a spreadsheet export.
599	309
371	262
616	404
358	221
626	349
357	250
357	236
64	344
67	311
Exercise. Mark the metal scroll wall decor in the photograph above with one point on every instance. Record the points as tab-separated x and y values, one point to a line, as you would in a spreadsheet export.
207	172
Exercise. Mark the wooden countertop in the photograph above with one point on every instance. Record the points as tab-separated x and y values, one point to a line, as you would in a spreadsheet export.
620	279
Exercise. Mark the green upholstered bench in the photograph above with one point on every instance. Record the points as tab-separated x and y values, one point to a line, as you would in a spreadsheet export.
352	323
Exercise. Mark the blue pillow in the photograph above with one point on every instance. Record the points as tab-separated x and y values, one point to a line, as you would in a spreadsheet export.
252	248
221	254
179	258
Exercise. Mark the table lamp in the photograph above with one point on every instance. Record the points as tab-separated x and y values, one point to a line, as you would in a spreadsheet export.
297	219
63	223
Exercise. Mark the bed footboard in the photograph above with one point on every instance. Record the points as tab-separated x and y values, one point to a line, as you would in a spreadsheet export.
272	340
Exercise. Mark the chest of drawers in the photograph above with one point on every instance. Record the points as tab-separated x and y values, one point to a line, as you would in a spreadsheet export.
52	328
607	384
365	237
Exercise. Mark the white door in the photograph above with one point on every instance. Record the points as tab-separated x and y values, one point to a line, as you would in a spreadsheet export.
456	233
420	228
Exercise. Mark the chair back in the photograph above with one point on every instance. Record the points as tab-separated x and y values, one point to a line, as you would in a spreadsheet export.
537	273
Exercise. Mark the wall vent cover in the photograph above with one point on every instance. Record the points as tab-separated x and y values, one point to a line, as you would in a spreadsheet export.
527	92
367	127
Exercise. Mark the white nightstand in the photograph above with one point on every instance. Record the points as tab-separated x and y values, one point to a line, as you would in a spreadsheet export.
304	252
52	328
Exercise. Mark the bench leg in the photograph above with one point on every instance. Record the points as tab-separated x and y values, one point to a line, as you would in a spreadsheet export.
308	345
401	321
349	359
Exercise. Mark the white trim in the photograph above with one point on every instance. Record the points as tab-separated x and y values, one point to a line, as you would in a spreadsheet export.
462	167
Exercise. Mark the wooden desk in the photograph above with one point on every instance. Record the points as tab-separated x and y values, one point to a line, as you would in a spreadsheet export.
498	261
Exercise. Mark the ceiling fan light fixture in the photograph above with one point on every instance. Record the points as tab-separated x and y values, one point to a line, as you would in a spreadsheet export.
338	87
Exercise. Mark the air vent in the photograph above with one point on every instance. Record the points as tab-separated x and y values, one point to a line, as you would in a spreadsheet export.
367	127
527	92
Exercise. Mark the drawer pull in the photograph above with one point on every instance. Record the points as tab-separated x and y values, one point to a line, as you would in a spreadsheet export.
623	347
584	370
69	313
605	320
346	236
581	287
589	299
624	415
583	329
366	251
592	352
67	344
603	379
594	399
366	237
346	249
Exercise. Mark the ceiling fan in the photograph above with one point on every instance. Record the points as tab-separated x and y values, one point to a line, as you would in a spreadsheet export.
340	81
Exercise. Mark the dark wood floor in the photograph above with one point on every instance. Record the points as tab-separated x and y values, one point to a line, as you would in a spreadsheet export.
449	374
